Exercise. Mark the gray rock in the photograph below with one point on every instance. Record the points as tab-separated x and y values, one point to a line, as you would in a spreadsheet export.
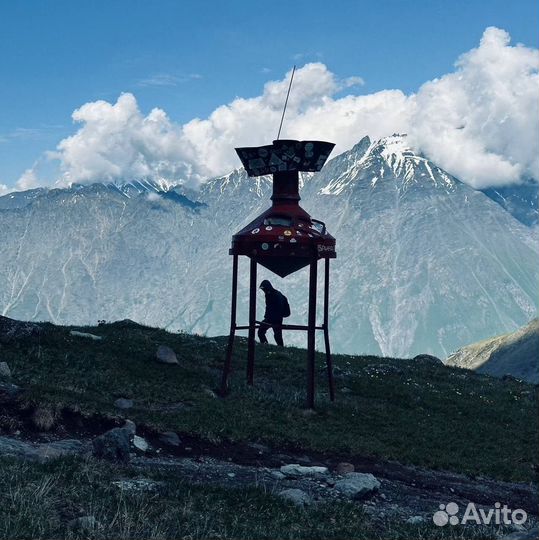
41	452
278	475
113	445
344	468
357	485
16	448
296	496
169	438
140	443
4	370
166	355
84	523
58	449
415	520
123	403
87	335
295	470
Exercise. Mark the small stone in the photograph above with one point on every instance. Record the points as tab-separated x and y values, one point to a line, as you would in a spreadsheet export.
357	485
123	403
415	520
296	496
169	438
4	370
84	523
344	468
166	355
87	335
130	427
140	443
278	475
231	475
295	470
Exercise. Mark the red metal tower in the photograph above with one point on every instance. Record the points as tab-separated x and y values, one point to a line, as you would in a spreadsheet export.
283	239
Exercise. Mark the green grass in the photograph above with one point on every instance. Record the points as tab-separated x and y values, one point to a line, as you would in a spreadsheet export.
414	412
37	501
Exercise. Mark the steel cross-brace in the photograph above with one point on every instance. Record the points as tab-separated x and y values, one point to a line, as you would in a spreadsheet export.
254	324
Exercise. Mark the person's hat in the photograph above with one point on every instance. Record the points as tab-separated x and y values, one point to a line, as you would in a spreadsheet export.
265	285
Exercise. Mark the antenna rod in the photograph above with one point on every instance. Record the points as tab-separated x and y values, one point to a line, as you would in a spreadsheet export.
286	102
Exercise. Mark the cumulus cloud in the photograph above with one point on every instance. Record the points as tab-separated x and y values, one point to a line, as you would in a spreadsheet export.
28	180
479	122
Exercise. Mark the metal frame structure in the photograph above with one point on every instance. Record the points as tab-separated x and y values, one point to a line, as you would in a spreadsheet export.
310	328
283	239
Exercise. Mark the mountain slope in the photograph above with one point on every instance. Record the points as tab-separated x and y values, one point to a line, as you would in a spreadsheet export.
515	354
425	263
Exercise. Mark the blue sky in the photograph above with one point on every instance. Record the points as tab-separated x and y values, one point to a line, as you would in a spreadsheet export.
190	57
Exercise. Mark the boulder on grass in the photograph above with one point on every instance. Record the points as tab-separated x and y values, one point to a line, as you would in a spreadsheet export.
166	355
113	445
357	485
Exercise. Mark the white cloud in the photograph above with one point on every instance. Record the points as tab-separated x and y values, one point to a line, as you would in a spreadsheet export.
28	180
478	122
4	190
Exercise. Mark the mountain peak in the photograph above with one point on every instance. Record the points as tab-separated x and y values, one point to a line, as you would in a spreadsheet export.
387	159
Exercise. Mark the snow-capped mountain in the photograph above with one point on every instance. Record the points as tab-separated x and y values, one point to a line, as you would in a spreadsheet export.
425	263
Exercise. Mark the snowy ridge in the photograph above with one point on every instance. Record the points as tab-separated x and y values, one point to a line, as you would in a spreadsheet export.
425	264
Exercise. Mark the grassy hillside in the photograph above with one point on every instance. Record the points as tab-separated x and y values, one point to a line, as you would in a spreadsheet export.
415	412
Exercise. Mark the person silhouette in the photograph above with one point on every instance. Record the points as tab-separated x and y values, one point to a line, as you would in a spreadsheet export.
276	309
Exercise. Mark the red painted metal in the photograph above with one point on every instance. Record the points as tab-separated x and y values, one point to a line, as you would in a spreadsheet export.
284	238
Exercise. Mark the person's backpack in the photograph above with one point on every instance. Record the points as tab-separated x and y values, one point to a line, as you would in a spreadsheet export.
285	306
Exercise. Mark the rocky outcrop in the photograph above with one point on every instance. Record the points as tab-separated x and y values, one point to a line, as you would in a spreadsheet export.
41	451
512	354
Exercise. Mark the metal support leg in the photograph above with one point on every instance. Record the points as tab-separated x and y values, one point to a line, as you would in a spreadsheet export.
228	359
252	324
311	334
329	362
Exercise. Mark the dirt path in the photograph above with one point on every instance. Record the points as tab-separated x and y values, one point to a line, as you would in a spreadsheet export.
405	490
